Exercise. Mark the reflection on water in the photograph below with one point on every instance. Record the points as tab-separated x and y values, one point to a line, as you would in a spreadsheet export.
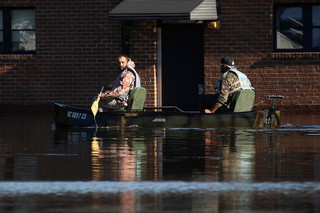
151	187
52	169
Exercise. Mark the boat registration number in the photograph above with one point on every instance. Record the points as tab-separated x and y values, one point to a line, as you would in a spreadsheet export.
76	115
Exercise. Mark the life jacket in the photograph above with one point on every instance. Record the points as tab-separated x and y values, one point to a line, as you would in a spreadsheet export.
137	82
243	80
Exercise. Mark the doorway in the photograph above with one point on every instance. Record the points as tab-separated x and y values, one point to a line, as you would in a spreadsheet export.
182	65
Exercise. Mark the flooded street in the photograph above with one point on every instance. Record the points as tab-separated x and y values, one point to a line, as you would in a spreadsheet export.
44	168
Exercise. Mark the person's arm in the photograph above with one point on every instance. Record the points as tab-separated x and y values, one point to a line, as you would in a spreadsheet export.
215	107
127	79
227	85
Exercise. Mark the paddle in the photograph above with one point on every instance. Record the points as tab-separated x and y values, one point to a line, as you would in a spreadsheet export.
95	104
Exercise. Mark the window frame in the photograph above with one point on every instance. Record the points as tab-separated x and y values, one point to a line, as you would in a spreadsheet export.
307	27
7	32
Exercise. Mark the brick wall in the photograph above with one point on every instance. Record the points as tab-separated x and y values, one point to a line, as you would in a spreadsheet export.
246	35
76	52
142	49
77	48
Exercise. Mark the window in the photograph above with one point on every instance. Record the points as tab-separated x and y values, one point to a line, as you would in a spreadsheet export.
1	31
17	31
297	28
316	26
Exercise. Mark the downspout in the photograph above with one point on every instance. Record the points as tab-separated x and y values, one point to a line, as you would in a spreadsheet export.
159	67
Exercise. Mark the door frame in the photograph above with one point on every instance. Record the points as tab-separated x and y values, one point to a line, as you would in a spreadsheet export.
159	80
159	66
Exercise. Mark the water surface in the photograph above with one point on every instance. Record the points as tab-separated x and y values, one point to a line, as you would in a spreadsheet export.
44	168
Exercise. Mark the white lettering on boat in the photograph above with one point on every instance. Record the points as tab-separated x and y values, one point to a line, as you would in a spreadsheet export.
76	115
158	120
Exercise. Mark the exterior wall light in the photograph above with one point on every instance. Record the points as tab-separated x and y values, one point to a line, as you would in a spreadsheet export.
214	25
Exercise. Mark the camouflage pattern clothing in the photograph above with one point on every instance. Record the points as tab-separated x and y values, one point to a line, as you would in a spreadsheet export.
229	84
126	83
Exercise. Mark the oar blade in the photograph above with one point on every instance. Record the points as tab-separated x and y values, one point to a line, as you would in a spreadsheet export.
95	107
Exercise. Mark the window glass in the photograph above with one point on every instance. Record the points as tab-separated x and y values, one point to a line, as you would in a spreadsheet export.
316	16
23	30
1	41
1	20
289	17
316	37
23	41
289	28
22	19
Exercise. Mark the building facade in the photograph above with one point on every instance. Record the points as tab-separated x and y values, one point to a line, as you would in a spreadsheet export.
64	51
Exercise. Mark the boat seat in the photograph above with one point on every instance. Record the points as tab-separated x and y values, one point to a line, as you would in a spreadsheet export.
137	98
242	100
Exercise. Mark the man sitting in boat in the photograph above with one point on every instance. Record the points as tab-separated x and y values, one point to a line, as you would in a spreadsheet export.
229	82
118	96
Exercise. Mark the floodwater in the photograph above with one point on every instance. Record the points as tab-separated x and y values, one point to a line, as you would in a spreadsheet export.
44	168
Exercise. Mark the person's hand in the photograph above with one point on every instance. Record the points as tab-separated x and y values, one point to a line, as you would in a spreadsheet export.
215	107
207	111
104	94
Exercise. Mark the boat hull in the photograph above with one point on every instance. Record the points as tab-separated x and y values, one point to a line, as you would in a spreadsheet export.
192	120
72	116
